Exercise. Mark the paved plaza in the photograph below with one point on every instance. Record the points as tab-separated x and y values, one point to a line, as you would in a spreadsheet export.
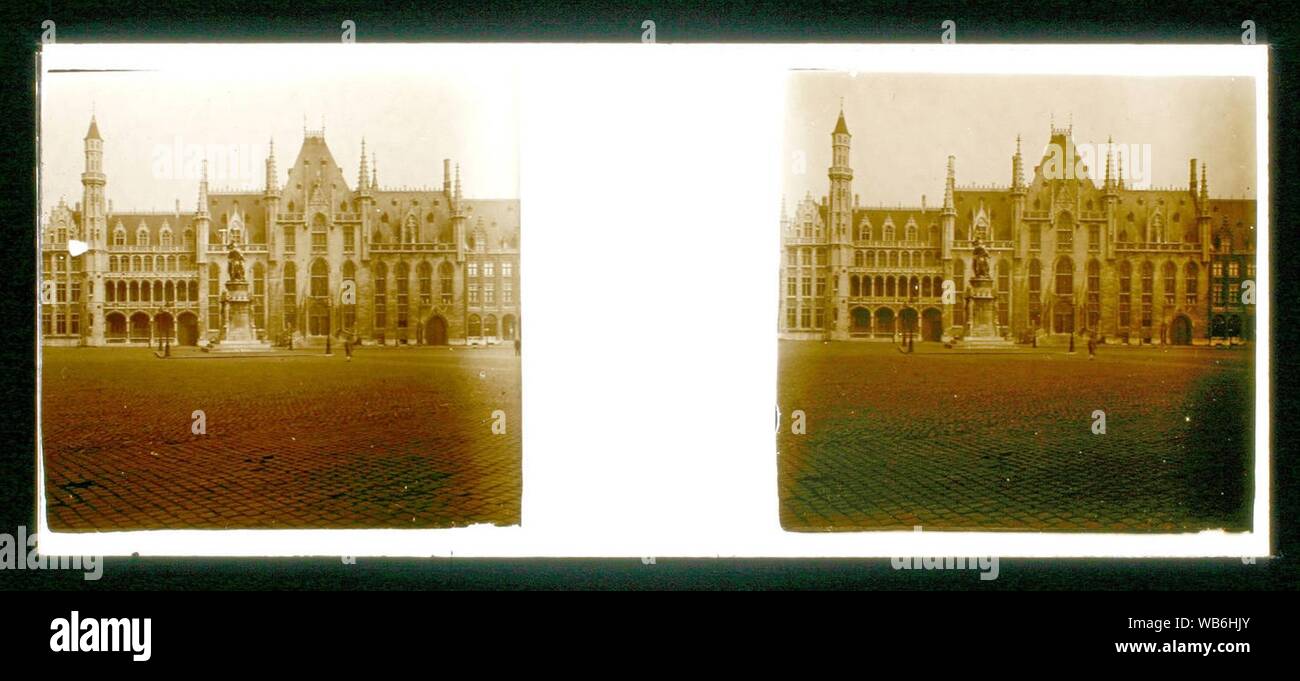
395	438
963	440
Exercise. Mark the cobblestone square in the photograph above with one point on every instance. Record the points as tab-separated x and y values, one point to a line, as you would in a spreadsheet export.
395	438
961	440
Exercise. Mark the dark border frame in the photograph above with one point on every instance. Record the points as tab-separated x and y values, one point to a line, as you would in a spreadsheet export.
764	21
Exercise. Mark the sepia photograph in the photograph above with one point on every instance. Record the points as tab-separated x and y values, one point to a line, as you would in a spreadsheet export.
1018	303
279	288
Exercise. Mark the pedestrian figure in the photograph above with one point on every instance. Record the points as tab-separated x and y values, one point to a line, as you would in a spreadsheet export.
1092	346
347	349
516	347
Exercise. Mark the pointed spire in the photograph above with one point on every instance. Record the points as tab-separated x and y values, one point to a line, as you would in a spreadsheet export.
364	173
374	172
1110	160
203	189
457	186
93	132
272	176
950	186
840	127
1120	185
1017	168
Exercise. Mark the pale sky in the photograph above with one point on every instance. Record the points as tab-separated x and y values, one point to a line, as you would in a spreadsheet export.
415	105
905	126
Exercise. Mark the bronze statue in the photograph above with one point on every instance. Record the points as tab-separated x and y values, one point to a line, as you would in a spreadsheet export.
235	266
981	263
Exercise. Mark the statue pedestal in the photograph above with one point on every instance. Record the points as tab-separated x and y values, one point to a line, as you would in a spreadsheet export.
981	326
238	334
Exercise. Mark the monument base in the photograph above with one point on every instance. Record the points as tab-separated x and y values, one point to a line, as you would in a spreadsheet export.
233	346
985	343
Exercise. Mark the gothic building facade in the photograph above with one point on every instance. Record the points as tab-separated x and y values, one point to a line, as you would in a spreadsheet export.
1067	254
365	262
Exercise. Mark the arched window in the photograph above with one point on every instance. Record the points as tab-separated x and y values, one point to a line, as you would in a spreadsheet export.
320	279
445	284
1004	292
165	238
855	286
349	239
889	232
290	240
1094	294
318	323
189	238
475	327
403	272
112	263
1063	312
381	298
142	236
350	308
1064	230
289	293
214	296
425	274
910	231
119	236
259	295
1191	282
1148	275
319	234
1169	277
1035	294
490	326
1125	294
1064	277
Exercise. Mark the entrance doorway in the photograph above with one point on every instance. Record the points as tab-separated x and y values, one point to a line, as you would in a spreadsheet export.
435	331
932	325
1180	333
187	329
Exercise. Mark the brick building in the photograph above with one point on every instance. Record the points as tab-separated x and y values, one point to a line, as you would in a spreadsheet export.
383	265
1065	253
